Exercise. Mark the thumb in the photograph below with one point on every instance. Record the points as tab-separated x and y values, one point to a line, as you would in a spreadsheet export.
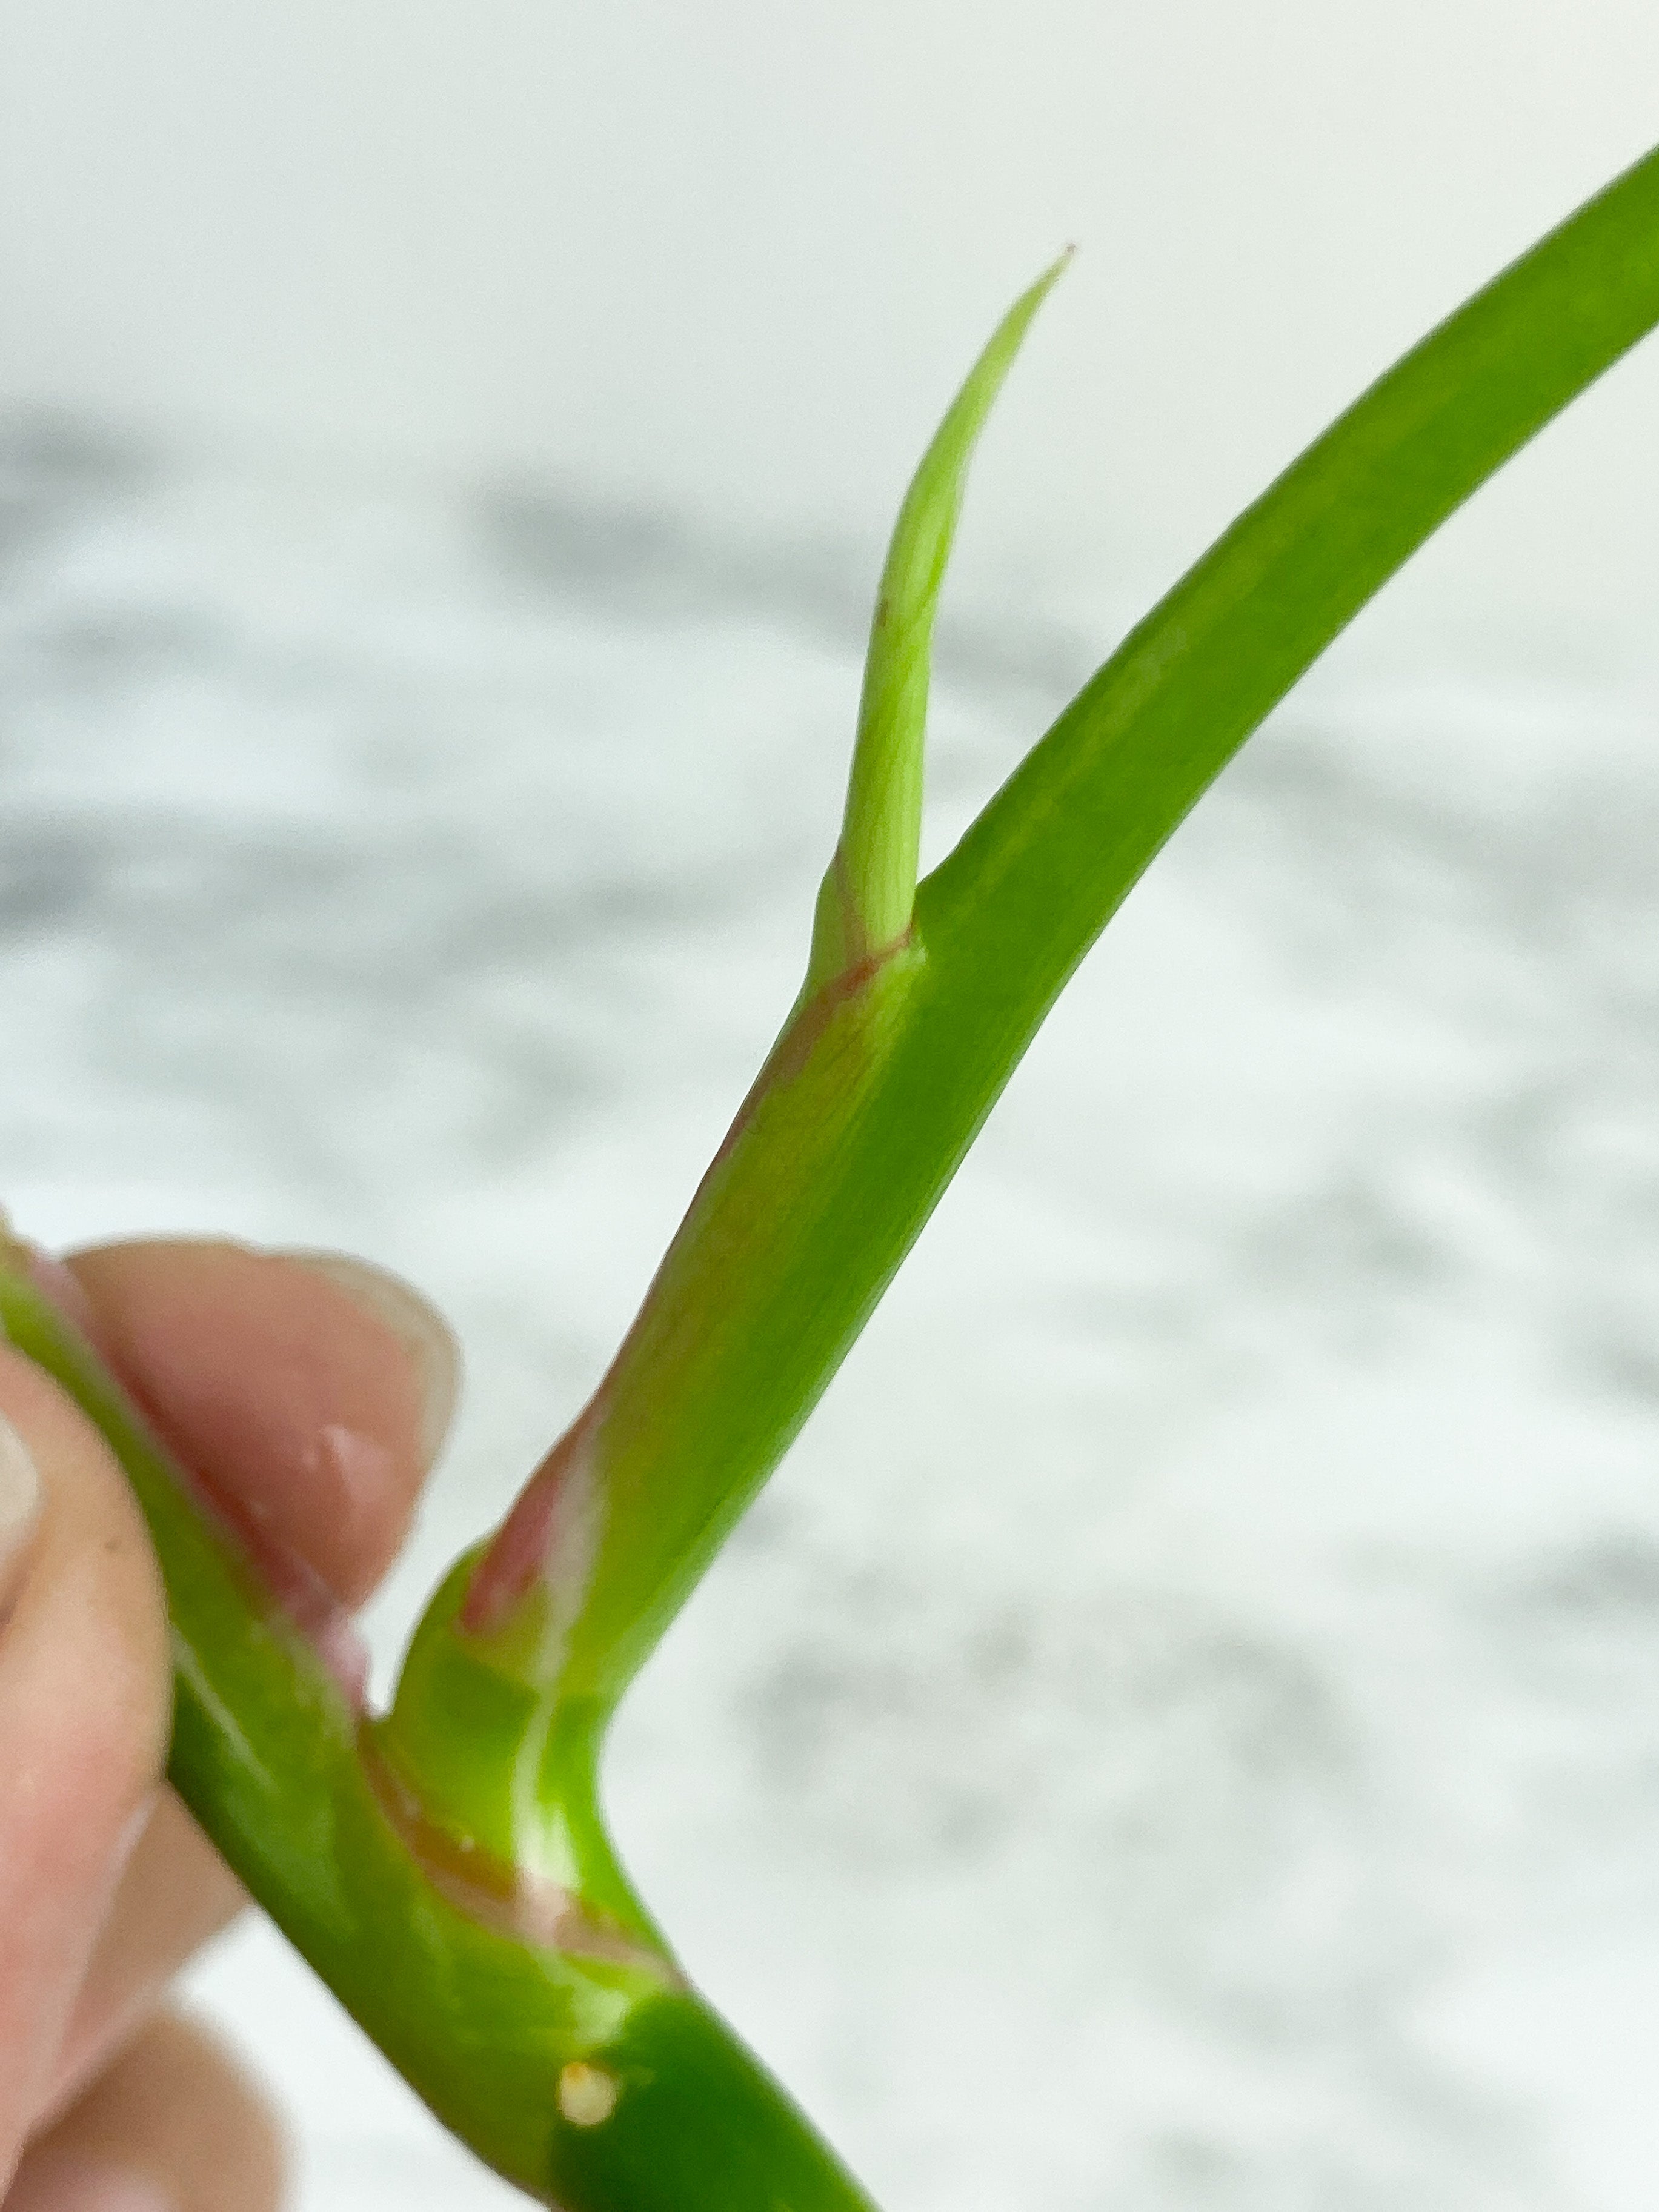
84	1713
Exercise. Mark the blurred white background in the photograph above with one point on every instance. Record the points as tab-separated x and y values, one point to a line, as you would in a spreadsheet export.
734	258
1198	1672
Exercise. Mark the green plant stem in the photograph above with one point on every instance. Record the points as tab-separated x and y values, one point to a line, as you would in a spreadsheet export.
877	1088
483	2022
865	1108
883	1074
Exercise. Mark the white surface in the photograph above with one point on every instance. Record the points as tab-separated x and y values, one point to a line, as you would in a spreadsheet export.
738	255
1180	1733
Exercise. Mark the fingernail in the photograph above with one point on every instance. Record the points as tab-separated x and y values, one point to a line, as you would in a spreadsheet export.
421	1330
20	1509
65	2182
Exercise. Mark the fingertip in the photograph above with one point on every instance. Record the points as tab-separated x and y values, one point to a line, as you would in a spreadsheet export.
429	1344
81	1565
175	2124
301	1403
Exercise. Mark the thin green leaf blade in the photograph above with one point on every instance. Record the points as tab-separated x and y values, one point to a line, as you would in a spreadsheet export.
865	905
1036	877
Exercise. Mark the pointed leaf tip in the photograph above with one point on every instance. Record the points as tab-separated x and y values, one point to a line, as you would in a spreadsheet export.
865	904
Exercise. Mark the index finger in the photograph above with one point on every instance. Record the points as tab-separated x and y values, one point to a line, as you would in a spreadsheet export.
306	1392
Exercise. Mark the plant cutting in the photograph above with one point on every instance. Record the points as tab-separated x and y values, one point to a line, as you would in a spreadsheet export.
445	1866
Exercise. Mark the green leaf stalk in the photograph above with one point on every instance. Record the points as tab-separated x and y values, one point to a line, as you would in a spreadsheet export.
446	1867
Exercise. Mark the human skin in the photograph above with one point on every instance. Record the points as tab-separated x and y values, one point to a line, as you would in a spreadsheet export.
310	1395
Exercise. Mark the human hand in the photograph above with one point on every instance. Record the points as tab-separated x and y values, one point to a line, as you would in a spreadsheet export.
310	1395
